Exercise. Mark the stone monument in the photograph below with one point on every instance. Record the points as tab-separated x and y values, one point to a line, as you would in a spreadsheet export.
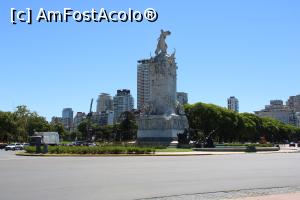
162	117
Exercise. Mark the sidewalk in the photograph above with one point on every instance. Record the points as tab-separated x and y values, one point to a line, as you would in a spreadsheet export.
195	153
291	196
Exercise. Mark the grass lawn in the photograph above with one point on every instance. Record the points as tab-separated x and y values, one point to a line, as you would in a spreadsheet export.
173	150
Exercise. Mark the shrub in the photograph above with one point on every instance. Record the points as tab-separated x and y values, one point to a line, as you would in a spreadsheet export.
30	149
241	144
110	149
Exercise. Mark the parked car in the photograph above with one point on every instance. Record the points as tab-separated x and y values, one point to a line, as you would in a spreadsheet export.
2	146
79	143
14	146
24	145
92	144
292	144
82	143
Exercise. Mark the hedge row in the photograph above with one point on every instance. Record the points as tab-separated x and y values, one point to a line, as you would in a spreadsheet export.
94	150
241	144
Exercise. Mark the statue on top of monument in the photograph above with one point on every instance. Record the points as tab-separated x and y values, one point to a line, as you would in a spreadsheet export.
161	45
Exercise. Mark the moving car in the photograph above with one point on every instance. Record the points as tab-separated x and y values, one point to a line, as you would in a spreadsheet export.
14	146
2	146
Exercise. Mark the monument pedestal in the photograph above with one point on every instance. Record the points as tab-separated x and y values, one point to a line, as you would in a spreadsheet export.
162	116
160	129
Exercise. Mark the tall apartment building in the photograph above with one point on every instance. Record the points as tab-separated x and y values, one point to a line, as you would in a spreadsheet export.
67	118
233	104
100	118
103	118
106	118
79	117
294	103
104	103
298	119
143	83
277	110
123	101
182	98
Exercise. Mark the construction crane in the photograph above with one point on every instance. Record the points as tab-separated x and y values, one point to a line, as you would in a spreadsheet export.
88	127
91	106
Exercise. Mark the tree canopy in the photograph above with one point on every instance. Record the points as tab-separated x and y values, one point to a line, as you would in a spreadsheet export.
22	123
204	119
230	126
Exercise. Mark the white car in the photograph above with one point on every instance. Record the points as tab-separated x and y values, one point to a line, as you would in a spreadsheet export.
24	145
14	146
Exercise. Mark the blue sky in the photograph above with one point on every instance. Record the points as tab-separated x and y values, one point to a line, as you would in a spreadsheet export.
250	49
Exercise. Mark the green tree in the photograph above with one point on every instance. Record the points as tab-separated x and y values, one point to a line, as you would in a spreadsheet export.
8	127
21	116
18	125
234	127
36	123
128	127
58	127
82	128
105	133
203	117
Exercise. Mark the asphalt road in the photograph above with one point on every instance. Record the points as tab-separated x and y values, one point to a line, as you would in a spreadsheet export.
85	178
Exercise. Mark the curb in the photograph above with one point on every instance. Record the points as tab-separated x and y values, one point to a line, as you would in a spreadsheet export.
108	155
148	155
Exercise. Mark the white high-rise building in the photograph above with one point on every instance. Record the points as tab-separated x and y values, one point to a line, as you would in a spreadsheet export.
143	83
104	103
233	104
123	101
